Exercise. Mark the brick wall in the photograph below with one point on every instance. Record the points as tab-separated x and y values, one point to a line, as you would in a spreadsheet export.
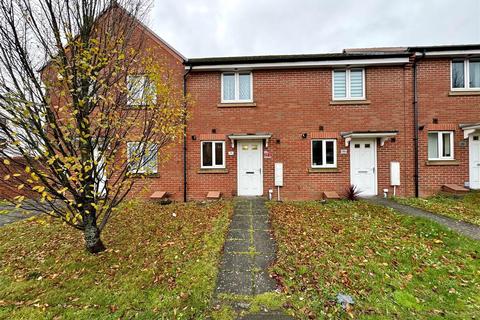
292	102
435	101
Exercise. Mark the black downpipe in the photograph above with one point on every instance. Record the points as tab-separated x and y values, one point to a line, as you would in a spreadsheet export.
415	125
185	75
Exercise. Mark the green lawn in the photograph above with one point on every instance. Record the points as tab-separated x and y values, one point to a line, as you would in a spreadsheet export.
465	209
395	267
161	263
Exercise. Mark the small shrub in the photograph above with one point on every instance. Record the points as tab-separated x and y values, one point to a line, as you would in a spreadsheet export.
352	193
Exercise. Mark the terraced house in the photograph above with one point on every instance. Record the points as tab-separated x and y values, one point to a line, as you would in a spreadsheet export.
405	121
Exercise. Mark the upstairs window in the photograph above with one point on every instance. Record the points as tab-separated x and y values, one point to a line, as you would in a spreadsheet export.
237	87
348	84
142	158
466	74
141	91
324	153
213	154
440	145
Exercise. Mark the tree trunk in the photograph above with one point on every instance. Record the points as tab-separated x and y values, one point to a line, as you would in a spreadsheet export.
93	243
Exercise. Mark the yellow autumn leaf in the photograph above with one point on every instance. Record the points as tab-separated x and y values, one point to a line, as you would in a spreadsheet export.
6	161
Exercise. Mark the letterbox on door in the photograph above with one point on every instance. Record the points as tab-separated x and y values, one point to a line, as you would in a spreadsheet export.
278	174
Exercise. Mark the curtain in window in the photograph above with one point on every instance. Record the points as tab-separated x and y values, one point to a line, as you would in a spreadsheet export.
433	145
244	86
475	73
142	160
446	145
340	83
458	76
229	86
356	83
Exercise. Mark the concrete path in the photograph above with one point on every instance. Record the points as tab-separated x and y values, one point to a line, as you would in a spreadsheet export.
248	251
467	229
13	214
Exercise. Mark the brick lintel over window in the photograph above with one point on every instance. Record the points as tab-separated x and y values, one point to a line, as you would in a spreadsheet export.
441	127
324	135
212	137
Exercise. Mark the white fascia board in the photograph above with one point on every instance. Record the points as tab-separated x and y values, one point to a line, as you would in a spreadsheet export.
449	53
302	64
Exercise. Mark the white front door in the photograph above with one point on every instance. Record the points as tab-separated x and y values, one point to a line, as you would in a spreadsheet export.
474	146
250	168
363	163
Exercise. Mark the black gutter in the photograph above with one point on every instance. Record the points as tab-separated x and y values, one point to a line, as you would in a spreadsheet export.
185	75
416	126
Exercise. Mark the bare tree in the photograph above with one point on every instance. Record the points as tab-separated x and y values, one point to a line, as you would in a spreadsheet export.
76	84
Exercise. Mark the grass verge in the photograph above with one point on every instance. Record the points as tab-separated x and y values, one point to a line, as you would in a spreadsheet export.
161	263
466	208
395	267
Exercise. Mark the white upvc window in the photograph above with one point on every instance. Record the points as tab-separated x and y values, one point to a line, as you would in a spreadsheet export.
465	74
212	154
440	145
348	84
141	91
237	87
142	158
324	153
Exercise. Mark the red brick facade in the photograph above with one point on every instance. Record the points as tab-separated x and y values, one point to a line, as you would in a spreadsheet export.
295	105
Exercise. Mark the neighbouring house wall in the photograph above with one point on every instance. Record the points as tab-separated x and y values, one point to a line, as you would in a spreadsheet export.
292	102
436	101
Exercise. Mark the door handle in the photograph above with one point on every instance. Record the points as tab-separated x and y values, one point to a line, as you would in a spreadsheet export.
250	172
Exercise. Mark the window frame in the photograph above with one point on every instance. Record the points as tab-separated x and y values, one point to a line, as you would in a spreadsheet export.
141	170
213	166
324	154
440	145
237	87
466	75
143	102
348	95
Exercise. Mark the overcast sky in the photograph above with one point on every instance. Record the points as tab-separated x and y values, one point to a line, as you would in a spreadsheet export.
200	28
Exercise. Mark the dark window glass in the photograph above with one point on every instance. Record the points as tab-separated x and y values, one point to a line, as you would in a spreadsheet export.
329	150
475	138
357	146
317	153
367	145
207	154
219	153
